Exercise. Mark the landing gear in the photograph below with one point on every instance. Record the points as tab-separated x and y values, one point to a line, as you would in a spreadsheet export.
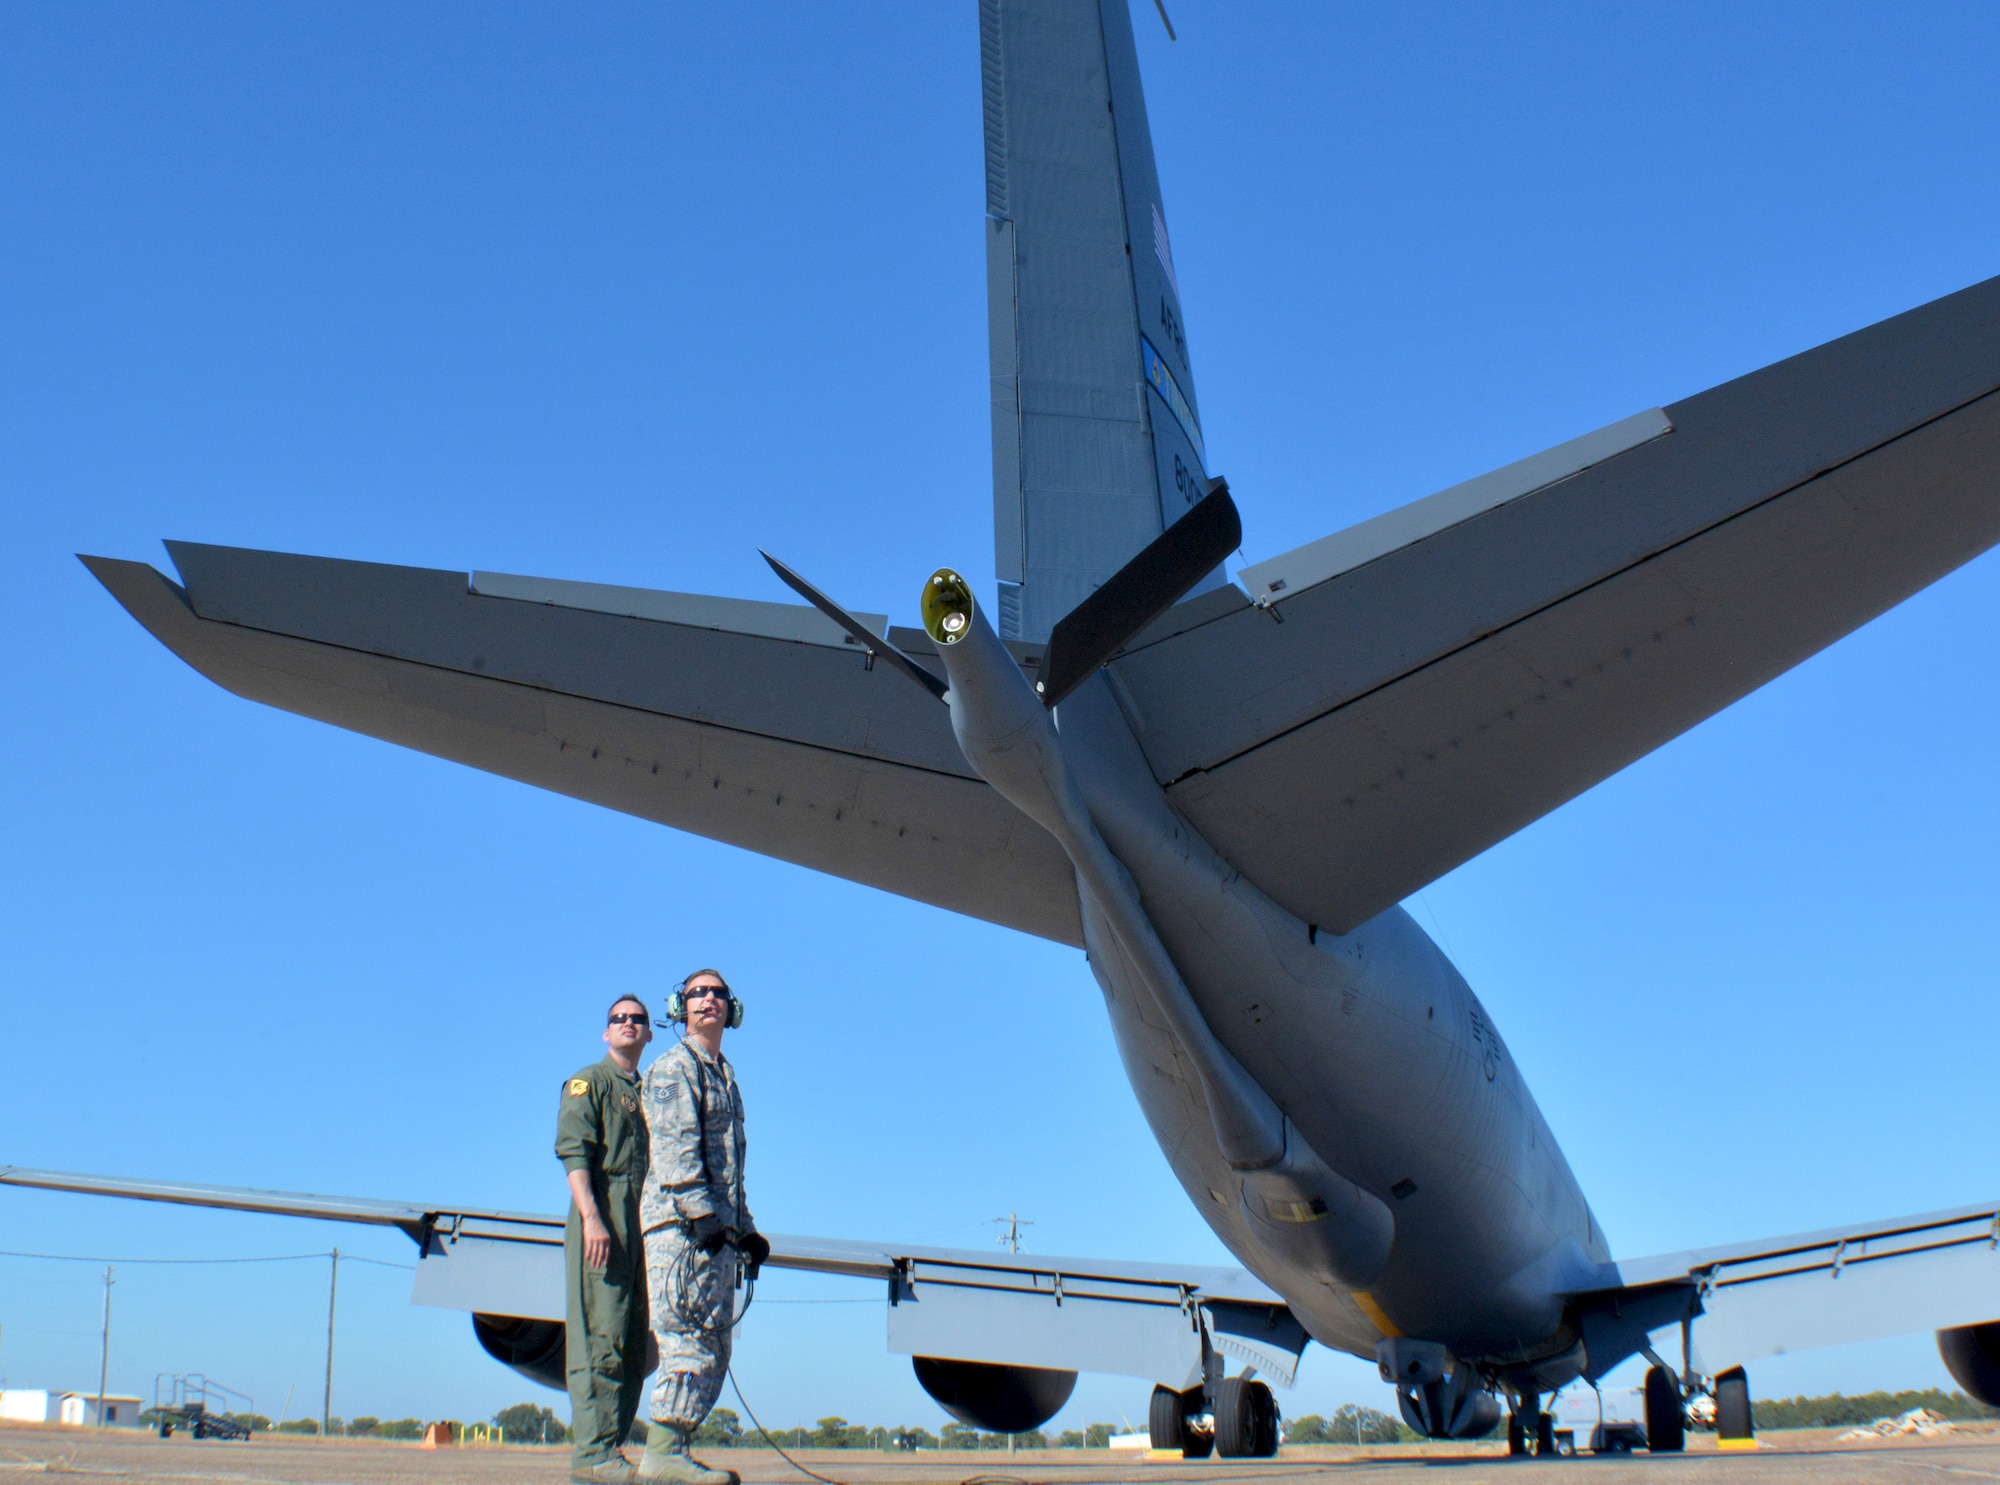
1529	1427
1666	1422
1733	1425
1171	1423
1246	1419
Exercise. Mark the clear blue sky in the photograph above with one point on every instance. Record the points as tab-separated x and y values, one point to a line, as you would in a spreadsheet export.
620	293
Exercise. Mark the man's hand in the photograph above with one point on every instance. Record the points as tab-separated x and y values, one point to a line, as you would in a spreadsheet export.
756	1249
596	1241
710	1234
596	1236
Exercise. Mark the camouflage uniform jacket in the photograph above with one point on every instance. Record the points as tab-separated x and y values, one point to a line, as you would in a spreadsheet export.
694	1120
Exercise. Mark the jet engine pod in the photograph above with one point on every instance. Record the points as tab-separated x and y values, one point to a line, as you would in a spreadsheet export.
999	1399
1972	1355
534	1348
947	607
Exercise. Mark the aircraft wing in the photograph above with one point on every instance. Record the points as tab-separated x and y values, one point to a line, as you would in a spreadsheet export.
1828	1288
1933	1271
1075	1314
759	724
1404	694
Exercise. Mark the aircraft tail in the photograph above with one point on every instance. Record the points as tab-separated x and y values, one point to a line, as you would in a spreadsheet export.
1097	443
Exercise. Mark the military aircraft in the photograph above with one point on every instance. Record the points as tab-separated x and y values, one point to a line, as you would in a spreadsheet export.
1220	791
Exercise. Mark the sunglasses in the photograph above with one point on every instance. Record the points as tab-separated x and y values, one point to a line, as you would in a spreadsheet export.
696	992
632	1018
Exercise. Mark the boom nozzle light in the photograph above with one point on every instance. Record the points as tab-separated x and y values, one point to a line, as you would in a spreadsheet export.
947	607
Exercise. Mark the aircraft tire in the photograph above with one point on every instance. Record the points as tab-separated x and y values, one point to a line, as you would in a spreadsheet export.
1246	1419
1733	1418
1666	1424
1517	1434
1269	1433
1235	1430
1168	1422
1164	1415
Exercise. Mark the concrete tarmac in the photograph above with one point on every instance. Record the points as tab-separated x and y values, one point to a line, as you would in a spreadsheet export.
1792	1458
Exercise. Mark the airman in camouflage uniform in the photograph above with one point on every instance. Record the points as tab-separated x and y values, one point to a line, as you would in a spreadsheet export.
601	1141
698	1228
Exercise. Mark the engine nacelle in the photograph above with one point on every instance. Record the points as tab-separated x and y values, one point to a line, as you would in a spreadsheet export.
534	1348
999	1399
1972	1355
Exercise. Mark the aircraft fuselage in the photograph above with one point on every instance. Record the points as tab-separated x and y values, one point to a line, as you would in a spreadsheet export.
1377	1051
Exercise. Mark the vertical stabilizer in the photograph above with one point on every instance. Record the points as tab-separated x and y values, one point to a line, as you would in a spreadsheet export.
1097	442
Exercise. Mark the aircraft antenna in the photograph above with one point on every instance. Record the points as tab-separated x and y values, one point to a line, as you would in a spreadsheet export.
1161	7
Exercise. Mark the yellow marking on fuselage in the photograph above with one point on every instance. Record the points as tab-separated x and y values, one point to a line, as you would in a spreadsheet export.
1365	1302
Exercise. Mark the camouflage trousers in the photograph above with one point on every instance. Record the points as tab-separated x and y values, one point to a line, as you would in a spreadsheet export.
692	1299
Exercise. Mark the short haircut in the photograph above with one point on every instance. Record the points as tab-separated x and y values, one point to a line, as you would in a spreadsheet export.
713	974
621	1000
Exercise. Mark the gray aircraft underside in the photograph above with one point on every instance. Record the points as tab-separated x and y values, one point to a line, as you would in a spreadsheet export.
1226	814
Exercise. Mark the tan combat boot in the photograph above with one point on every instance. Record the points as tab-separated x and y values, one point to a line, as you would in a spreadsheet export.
667	1461
613	1471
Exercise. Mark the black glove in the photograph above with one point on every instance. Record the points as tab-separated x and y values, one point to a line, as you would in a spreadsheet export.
756	1249
709	1233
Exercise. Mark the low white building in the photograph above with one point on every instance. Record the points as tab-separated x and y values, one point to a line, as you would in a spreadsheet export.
78	1409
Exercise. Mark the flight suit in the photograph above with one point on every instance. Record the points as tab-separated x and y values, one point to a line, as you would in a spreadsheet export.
601	1128
694	1111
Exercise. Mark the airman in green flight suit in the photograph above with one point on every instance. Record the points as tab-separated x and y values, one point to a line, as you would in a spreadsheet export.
601	1141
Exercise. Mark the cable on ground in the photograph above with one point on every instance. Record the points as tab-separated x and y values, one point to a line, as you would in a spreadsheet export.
751	1413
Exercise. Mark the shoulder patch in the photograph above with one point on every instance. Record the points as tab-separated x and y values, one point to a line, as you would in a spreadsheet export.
578	1087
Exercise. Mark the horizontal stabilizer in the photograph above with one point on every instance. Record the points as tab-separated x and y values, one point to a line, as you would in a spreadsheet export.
775	735
1403	697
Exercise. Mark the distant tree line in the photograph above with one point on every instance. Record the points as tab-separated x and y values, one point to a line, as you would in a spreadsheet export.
1837	1411
725	1430
530	1423
1350	1424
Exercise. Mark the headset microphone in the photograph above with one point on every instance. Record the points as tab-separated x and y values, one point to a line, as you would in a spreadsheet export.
677	1009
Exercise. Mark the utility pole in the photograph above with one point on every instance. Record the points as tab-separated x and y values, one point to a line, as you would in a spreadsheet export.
326	1399
1011	1238
104	1354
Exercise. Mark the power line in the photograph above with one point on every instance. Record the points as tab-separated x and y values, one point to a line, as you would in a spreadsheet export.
268	1258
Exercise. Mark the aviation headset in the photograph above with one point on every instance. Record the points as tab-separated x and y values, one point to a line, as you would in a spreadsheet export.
677	1005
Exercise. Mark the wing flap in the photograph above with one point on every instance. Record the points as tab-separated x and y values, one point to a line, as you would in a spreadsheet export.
790	749
1348	744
